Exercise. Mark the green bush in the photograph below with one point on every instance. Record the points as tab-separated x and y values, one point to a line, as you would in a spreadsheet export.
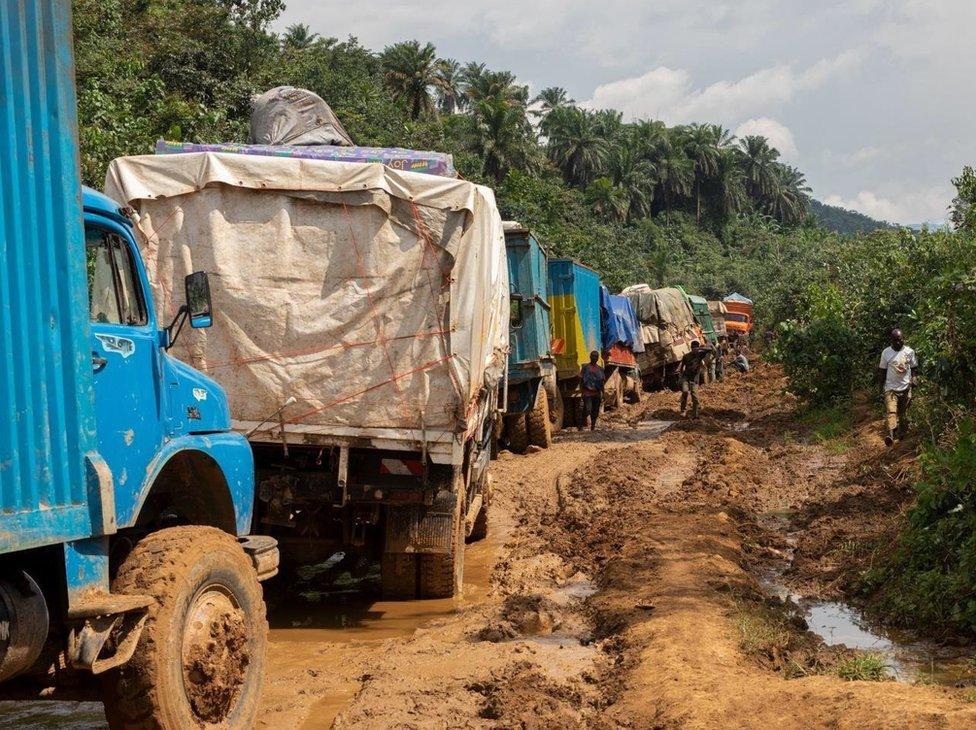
929	579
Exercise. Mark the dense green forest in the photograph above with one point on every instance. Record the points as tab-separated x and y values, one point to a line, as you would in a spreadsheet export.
842	220
638	201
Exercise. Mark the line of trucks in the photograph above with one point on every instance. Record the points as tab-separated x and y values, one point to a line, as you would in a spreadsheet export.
239	358
560	313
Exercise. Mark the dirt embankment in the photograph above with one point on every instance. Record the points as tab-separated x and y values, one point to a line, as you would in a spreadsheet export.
625	590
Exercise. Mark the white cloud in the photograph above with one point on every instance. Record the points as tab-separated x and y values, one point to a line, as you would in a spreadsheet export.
669	94
779	135
906	207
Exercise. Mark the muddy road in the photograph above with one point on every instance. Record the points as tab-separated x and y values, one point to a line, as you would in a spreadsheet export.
659	572
634	577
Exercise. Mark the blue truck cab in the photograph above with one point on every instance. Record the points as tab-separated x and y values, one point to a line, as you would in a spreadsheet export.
532	407
125	498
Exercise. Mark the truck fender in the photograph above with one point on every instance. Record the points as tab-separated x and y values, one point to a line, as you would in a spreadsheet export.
222	467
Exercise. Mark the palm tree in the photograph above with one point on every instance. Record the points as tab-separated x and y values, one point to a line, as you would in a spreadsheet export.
497	84
676	175
501	136
449	85
757	160
411	71
298	37
636	176
729	183
701	144
576	145
788	199
550	99
607	199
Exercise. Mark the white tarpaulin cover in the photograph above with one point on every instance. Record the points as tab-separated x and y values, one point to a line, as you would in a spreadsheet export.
667	322
378	299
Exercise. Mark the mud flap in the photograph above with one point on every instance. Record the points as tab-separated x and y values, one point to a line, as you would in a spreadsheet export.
421	529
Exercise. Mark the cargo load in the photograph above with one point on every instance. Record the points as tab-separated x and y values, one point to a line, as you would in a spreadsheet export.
718	310
361	332
667	329
377	300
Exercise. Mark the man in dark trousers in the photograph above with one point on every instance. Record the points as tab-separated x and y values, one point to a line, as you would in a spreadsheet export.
592	378
689	371
896	371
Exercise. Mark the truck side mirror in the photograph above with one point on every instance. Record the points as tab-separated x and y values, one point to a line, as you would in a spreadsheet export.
515	317
198	304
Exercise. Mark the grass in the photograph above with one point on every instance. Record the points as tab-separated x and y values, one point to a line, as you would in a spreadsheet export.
830	427
864	668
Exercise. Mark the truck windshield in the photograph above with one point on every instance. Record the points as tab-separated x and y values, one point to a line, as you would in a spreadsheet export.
114	295
730	317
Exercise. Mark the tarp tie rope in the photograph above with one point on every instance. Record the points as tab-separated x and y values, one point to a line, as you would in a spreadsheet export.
346	398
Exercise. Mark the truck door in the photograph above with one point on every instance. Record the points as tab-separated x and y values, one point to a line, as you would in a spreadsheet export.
125	362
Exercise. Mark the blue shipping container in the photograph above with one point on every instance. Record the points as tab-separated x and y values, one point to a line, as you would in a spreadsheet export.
530	332
46	406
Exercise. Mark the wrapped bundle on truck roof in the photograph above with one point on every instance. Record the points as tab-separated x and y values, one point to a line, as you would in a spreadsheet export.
361	332
667	329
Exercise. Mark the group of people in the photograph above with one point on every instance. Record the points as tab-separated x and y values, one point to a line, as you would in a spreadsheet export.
895	373
706	363
703	363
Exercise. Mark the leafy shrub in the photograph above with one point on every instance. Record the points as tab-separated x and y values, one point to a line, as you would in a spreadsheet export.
929	579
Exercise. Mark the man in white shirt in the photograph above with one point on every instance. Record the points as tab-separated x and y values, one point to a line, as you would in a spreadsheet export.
897	371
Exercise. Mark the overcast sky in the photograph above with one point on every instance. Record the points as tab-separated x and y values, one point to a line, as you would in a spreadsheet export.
873	99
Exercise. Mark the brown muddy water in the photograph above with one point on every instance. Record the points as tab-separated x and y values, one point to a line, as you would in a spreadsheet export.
339	619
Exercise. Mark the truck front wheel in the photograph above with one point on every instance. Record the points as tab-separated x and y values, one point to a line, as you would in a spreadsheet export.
200	659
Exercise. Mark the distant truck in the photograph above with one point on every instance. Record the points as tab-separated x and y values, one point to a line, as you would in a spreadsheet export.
620	332
668	328
703	316
363	319
125	497
533	407
718	311
574	300
738	319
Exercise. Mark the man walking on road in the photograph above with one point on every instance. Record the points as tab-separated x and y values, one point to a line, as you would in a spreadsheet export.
689	370
593	379
897	371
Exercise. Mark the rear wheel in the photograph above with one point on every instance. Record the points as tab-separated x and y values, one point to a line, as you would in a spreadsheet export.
517	431
399	574
442	574
200	659
479	531
540	427
556	412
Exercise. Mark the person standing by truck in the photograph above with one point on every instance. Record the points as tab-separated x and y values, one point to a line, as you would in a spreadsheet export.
593	379
896	371
689	371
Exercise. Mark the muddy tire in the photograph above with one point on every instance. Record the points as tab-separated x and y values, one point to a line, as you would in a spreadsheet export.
442	575
479	530
517	432
540	427
200	659
556	411
399	575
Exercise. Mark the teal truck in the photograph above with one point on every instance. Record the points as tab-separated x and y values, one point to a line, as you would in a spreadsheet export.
126	567
533	407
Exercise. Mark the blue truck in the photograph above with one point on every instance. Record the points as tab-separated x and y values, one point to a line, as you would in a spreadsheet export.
533	409
125	497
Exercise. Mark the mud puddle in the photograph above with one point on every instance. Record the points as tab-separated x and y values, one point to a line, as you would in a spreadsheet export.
62	715
838	623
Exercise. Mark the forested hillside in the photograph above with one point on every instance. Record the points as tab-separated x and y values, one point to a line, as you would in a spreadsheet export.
842	220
